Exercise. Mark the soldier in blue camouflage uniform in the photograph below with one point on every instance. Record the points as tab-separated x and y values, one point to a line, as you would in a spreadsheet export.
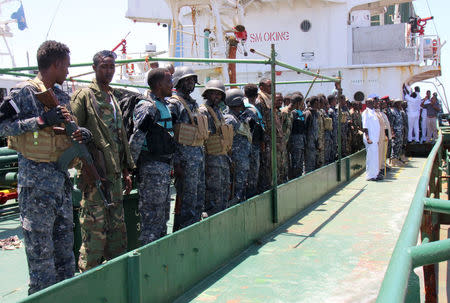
217	167
240	119
397	127
103	229
152	147
345	127
44	190
312	134
257	128
297	141
189	161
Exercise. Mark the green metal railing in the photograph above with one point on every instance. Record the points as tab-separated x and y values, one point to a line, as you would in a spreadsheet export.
407	255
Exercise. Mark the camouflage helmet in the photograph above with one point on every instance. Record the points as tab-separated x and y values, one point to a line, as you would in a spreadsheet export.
214	85
234	97
182	72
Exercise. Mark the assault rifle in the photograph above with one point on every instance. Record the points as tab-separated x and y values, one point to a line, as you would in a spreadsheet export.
48	98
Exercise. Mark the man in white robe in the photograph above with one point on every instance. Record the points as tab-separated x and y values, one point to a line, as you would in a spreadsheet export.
371	128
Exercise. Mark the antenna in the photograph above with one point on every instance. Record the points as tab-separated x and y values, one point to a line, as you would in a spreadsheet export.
53	18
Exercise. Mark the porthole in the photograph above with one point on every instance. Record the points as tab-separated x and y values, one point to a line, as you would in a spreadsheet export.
305	25
358	96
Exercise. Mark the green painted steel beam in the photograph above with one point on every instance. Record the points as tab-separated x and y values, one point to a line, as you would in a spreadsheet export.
306	72
437	205
430	253
395	282
153	59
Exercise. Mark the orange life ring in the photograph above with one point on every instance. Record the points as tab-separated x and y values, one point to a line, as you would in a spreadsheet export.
130	69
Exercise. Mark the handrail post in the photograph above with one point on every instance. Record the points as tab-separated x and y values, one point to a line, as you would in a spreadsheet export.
339	147
273	139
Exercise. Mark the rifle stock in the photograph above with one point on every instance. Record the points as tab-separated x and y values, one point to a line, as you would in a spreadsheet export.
48	98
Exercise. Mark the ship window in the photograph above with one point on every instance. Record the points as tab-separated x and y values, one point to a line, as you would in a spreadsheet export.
305	25
358	96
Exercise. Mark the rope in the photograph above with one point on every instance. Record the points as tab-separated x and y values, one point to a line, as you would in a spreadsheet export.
434	23
53	18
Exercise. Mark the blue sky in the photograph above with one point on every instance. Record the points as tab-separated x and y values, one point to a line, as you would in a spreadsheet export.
87	26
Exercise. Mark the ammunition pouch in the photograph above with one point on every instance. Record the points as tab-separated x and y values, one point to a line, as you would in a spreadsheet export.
344	118
221	142
41	145
244	130
328	124
160	141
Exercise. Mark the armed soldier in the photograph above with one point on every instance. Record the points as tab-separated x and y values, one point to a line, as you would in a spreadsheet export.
321	131
152	147
102	224
217	146
44	189
345	127
240	119
283	124
312	134
397	127
189	160
257	128
333	114
297	141
264	105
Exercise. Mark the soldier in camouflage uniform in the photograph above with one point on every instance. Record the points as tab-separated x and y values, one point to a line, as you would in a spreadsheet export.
103	229
297	139
397	127
322	116
240	119
152	147
264	105
405	129
189	161
333	114
312	134
345	127
257	128
283	124
44	190
356	127
217	166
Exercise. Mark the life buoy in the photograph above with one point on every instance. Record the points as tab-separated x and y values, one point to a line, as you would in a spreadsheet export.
130	69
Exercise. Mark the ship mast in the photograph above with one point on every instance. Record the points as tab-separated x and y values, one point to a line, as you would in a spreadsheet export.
5	32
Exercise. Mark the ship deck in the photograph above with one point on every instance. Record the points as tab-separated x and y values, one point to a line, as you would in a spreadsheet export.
337	250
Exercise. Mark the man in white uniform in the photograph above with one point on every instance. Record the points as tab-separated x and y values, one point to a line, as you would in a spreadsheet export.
423	115
371	129
413	111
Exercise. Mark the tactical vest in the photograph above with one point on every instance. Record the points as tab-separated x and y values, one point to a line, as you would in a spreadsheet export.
159	139
221	142
42	145
194	133
299	124
327	123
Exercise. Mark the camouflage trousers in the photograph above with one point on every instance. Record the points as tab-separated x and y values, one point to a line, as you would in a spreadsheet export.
282	165
47	224
310	159
330	153
297	161
252	187
239	177
265	169
217	176
103	230
321	151
397	144
190	188
154	199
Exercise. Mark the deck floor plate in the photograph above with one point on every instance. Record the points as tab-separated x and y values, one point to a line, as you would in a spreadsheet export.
337	250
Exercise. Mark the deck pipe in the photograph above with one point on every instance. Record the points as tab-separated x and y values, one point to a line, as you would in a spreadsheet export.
430	253
437	205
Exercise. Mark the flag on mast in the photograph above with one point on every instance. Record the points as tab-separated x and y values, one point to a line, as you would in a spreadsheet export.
20	17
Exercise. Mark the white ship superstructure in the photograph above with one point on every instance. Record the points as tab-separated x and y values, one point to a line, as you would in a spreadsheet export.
370	42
